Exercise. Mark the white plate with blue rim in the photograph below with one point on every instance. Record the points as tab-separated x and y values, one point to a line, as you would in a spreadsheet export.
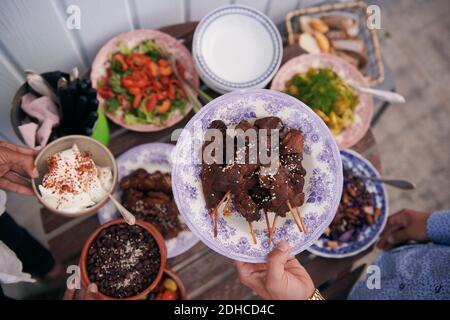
237	47
321	160
151	157
365	237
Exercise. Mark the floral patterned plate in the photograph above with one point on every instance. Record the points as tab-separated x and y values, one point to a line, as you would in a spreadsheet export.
355	162
350	74
151	157
323	180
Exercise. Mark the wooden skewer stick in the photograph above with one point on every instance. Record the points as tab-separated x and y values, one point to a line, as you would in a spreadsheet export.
226	211
252	233
274	223
300	228
269	230
215	218
301	220
223	199
216	213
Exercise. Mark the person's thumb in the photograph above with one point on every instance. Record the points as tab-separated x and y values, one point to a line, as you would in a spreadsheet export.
92	291
23	164
275	263
397	237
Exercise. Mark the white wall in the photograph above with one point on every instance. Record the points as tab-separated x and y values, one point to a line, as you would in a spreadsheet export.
33	34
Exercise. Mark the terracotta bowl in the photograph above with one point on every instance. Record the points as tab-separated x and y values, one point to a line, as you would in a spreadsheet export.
162	250
100	154
181	288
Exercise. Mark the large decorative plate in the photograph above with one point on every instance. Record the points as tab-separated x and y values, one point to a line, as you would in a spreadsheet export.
350	74
237	47
323	180
151	157
355	162
132	39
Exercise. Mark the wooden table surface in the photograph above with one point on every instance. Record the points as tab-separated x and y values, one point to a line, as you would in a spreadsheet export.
206	274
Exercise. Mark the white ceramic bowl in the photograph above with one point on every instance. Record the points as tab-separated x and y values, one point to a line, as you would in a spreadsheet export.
236	47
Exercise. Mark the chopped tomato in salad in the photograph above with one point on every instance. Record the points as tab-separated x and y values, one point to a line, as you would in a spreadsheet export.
141	85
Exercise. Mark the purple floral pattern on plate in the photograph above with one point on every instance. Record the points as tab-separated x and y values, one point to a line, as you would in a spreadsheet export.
355	162
319	187
152	157
234	239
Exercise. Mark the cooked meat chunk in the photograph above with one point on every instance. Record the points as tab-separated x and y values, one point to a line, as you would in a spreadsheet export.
280	188
244	125
269	123
127	181
252	185
298	181
293	162
292	143
130	197
149	197
246	143
245	205
209	149
268	144
210	175
260	196
218	124
158	195
298	199
234	177
144	181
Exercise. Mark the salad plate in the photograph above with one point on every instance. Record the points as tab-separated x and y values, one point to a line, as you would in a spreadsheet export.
136	83
321	160
151	157
350	75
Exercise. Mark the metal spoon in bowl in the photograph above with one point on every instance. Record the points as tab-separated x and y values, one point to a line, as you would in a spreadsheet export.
385	95
126	215
397	183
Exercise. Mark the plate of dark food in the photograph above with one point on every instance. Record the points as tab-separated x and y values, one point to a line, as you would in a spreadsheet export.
241	203
124	261
361	215
145	189
139	79
324	83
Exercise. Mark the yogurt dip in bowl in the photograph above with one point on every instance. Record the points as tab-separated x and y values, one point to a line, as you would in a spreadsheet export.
76	175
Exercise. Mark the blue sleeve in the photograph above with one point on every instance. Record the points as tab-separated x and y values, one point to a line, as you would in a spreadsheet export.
438	227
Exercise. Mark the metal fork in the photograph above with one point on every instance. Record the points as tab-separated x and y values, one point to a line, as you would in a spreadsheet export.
397	183
191	92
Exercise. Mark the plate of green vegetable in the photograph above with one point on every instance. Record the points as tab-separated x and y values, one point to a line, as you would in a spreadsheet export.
324	83
136	83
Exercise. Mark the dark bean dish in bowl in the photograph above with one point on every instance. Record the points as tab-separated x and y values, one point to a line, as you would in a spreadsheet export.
124	261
